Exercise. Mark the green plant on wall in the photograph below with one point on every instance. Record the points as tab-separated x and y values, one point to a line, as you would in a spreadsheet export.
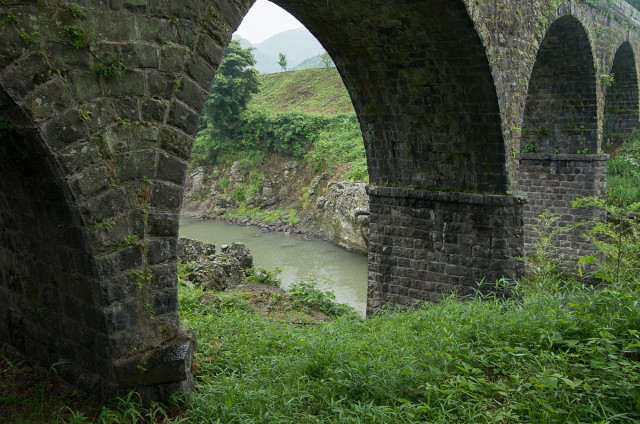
531	148
114	67
78	36
607	80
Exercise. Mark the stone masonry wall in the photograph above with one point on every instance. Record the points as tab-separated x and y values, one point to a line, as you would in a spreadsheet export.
425	244
552	182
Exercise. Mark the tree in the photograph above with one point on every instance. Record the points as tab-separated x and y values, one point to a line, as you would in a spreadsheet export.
283	61
326	59
235	83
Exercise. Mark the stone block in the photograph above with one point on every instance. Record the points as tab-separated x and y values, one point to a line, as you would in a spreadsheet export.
183	118
170	362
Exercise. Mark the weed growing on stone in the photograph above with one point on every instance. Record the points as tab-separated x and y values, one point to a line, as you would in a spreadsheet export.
78	36
77	11
114	68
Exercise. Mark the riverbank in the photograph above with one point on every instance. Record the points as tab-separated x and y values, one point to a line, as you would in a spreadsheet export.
301	258
280	195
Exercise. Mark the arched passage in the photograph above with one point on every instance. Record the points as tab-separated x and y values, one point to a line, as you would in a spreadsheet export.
422	87
561	110
51	305
558	160
621	112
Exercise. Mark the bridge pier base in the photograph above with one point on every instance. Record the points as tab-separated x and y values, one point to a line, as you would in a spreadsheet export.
427	244
552	182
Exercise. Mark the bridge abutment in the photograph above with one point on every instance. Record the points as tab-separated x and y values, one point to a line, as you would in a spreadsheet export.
427	244
551	183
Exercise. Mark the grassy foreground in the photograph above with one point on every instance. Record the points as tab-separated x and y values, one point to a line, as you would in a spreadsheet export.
570	356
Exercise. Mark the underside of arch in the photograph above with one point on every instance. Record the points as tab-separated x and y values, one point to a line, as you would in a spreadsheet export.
561	110
621	107
50	301
421	84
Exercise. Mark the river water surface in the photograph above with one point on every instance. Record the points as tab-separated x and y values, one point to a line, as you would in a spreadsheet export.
301	259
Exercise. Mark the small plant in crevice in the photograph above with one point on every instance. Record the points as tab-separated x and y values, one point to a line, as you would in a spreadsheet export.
607	80
78	36
85	115
31	38
140	277
531	148
9	16
113	68
77	11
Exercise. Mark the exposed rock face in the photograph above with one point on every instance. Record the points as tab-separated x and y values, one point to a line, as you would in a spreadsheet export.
343	215
329	208
215	272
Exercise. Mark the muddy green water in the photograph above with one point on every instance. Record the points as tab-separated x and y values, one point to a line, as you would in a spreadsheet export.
301	259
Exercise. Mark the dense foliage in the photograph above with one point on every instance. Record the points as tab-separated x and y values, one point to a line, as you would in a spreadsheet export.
233	129
623	174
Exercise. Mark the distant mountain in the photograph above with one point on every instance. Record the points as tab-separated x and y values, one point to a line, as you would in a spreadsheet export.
265	64
297	44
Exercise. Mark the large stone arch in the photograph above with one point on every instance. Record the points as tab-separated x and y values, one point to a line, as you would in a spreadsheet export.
421	84
422	87
561	108
50	298
559	160
621	112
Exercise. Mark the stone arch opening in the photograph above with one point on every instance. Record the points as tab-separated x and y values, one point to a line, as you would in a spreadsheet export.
422	87
51	304
276	176
561	111
559	160
621	112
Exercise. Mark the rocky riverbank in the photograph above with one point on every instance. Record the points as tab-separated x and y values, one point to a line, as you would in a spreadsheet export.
282	196
210	270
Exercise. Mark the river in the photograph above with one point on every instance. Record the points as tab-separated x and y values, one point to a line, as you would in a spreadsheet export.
301	258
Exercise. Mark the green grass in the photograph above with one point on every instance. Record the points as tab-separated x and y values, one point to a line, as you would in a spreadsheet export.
308	91
564	357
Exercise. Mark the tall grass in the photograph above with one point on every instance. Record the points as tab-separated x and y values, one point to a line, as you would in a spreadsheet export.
563	357
623	174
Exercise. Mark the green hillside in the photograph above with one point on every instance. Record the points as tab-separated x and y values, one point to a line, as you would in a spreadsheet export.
310	91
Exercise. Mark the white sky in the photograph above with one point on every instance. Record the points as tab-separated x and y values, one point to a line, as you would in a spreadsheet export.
264	20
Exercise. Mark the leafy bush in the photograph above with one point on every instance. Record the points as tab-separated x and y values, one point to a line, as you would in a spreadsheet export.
623	174
309	295
617	239
339	143
259	275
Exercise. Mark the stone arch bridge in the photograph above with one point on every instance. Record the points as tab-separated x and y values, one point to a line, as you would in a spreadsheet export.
476	116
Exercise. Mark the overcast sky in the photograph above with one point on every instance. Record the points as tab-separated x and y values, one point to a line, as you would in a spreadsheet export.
264	20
